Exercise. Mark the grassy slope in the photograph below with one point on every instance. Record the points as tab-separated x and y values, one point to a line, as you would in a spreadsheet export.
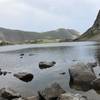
16	35
93	33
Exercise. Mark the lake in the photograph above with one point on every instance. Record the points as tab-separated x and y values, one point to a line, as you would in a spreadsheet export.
65	55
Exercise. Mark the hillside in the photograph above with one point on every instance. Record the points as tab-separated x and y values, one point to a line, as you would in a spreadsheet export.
17	36
61	33
93	33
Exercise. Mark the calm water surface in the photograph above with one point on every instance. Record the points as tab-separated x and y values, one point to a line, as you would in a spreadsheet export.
65	55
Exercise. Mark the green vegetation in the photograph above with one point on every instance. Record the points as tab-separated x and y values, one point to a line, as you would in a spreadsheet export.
2	43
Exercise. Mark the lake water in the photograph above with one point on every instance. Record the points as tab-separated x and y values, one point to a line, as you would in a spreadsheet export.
65	55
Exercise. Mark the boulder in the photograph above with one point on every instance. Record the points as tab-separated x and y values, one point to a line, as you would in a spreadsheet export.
70	96
81	76
44	64
92	64
96	84
21	98
3	98
24	76
22	54
9	94
51	93
33	98
28	98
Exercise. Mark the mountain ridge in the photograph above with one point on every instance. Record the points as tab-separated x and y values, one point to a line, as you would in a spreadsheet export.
93	33
21	36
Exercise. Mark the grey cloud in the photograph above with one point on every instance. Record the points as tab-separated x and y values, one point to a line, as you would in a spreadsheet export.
42	15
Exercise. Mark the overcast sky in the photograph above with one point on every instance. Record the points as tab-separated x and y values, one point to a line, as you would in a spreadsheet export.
45	15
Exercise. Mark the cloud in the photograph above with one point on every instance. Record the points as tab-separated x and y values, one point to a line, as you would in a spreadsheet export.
43	15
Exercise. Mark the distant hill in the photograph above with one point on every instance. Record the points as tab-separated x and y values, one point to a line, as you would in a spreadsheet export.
93	33
61	33
17	36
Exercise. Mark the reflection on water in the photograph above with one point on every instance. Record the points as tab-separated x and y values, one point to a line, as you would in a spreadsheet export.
64	55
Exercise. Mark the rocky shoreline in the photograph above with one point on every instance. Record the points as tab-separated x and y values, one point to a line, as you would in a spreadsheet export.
53	92
82	77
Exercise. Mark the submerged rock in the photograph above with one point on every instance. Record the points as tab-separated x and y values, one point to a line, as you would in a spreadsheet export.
31	54
24	76
70	96
22	54
74	60
9	94
21	57
4	72
51	93
43	65
81	76
63	73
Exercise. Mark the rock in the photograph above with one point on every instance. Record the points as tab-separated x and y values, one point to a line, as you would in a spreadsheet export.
33	98
81	76
63	73
22	54
70	96
4	72
96	84
74	60
9	94
51	93
92	65
0	73
24	76
3	98
28	98
31	54
43	65
21	57
20	98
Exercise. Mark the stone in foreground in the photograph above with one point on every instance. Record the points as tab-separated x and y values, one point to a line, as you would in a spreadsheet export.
70	96
24	76
20	99
9	94
81	76
96	84
51	93
33	98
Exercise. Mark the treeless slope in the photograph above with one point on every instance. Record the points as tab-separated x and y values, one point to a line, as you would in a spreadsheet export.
21	36
93	33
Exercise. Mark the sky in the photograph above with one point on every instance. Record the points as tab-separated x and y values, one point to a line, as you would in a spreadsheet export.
45	15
